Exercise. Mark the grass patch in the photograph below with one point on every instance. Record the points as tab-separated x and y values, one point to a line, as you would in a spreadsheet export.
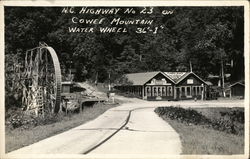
198	129
20	137
196	139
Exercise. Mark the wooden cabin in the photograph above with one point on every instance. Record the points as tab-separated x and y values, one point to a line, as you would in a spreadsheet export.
164	85
237	90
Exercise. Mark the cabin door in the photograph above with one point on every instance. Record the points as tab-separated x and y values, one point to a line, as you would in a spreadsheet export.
178	93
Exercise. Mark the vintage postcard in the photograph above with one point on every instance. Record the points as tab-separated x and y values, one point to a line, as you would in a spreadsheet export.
124	79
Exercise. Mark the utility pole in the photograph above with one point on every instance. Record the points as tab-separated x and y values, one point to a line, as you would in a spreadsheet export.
70	71
96	79
109	83
222	51
190	63
222	79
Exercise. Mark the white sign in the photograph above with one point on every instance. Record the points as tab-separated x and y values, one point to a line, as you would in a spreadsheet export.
112	94
190	81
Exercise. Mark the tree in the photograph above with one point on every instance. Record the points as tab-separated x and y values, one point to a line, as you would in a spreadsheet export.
200	35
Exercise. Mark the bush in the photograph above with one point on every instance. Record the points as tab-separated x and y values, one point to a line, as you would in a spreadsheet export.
17	118
188	116
49	118
12	101
230	121
235	115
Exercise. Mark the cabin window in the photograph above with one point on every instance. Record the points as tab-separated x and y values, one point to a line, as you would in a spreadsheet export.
163	91
155	93
194	91
198	90
188	91
170	91
167	91
149	91
183	91
159	91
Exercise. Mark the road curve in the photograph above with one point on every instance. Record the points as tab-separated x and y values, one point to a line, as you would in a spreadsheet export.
145	133
80	139
132	128
90	137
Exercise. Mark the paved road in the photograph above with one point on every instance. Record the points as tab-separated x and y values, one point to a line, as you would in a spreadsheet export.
132	128
145	133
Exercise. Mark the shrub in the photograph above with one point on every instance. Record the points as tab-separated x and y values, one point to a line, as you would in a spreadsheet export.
17	118
230	121
188	116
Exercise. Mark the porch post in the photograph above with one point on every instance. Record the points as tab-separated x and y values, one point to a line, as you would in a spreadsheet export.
174	92
142	91
202	92
230	92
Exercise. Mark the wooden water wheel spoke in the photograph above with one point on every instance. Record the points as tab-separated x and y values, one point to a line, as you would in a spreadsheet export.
42	79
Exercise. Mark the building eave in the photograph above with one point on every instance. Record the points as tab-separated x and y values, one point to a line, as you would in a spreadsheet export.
163	75
237	83
182	78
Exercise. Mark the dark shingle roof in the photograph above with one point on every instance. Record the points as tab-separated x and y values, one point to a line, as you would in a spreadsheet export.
140	78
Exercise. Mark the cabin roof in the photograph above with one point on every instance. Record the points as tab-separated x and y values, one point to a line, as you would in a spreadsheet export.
176	76
209	83
237	83
140	78
143	77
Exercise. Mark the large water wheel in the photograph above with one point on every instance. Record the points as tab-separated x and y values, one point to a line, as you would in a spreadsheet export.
42	80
